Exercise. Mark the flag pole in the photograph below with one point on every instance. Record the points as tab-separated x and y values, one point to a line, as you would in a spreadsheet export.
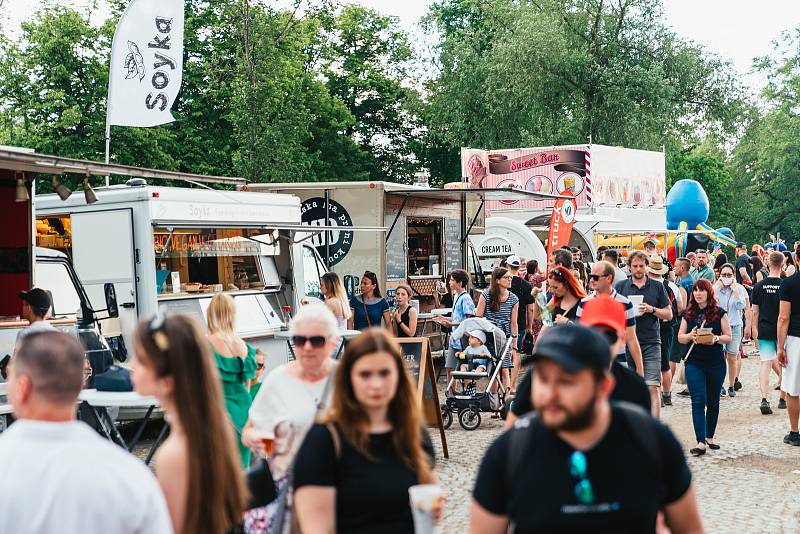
108	147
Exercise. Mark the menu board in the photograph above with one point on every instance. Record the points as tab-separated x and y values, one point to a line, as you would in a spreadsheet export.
396	248
452	245
419	364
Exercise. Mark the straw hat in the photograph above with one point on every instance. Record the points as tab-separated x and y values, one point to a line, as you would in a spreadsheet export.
657	265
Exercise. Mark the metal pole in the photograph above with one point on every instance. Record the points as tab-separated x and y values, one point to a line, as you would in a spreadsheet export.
327	223
108	148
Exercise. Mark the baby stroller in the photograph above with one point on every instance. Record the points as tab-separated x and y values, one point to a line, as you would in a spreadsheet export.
469	406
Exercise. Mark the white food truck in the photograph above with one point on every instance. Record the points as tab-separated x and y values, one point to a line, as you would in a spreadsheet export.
505	237
174	248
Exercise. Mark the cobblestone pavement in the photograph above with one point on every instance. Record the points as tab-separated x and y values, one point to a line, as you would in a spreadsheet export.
750	485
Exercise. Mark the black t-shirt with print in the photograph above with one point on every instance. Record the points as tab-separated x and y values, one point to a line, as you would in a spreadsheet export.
766	295
629	387
790	292
371	495
541	497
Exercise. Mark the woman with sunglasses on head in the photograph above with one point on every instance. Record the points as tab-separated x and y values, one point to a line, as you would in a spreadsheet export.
236	361
357	463
335	298
369	308
198	465
291	396
567	293
404	318
500	307
705	364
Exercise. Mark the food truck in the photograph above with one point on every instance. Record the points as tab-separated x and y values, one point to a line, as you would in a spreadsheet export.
425	229
614	188
173	248
504	237
22	266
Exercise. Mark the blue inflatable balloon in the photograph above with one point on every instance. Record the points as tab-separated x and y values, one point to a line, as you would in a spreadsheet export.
686	201
782	247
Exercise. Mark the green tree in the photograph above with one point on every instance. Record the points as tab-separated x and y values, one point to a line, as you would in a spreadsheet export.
554	72
366	65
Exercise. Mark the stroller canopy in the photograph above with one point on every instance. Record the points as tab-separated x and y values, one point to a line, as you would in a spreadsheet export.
480	323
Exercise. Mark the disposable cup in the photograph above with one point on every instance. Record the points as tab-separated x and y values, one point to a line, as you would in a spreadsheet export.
636	300
425	500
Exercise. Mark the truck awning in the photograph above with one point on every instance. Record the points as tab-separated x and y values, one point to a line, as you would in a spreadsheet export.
26	160
481	195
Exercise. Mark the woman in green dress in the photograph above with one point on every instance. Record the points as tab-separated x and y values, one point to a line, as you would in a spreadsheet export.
236	362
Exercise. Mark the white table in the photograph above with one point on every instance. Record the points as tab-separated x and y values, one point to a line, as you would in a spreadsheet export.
100	401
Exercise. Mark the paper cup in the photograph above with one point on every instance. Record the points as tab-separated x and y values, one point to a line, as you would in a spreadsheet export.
424	500
636	300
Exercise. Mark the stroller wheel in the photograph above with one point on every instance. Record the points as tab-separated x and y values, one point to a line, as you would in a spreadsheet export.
470	419
447	416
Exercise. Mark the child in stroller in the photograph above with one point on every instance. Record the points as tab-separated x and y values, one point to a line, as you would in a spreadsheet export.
470	403
475	358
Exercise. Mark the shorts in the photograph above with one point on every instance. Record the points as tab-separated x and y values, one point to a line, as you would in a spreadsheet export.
667	337
733	346
519	344
651	357
790	378
450	360
479	362
767	349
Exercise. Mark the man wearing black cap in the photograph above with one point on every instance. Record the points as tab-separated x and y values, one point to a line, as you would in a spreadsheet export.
559	469
35	305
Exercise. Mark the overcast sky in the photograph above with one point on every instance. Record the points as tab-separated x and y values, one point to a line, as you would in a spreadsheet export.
735	29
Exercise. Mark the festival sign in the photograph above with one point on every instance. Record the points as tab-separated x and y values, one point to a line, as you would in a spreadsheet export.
146	63
594	175
317	211
561	222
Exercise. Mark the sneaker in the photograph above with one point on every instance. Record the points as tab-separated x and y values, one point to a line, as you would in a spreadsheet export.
782	404
723	393
684	393
765	409
666	398
792	439
736	384
731	392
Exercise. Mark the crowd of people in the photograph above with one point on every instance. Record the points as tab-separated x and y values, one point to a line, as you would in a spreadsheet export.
325	445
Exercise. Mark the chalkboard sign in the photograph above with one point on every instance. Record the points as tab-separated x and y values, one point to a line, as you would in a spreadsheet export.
396	248
419	363
452	244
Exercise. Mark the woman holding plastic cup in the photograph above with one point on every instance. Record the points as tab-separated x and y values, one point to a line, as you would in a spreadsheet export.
356	465
291	397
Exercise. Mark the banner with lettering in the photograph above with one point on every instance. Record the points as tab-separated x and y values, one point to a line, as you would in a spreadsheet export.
146	63
561	222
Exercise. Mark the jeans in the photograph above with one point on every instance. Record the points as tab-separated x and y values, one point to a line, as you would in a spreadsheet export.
704	380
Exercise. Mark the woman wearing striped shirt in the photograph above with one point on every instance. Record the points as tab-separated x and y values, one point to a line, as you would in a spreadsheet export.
500	307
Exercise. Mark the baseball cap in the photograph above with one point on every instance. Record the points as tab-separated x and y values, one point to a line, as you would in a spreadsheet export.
38	298
574	347
513	261
478	334
604	311
741	244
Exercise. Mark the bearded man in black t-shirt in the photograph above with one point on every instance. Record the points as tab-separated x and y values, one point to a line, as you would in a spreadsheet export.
559	470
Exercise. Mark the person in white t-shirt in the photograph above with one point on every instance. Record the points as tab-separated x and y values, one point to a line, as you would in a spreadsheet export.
35	305
56	473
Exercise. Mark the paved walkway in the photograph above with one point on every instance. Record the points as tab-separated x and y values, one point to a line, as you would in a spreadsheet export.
752	484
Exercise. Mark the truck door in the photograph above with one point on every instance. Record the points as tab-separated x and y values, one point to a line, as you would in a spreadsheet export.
103	251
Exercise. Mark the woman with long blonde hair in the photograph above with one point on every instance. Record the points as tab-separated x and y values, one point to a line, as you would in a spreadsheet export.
336	298
236	361
356	464
198	465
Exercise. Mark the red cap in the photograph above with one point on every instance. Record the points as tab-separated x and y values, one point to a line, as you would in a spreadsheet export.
604	311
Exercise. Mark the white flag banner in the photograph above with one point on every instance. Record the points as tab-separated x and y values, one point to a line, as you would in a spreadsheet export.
146	63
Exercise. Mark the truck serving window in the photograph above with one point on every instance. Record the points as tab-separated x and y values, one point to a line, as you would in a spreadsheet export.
424	247
207	260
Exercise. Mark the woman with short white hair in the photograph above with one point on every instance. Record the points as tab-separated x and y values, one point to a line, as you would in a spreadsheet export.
290	398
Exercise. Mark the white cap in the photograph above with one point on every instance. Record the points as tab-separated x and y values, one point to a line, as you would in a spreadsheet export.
478	334
513	261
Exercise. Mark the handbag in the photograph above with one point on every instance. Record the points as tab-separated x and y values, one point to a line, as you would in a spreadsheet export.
260	484
116	378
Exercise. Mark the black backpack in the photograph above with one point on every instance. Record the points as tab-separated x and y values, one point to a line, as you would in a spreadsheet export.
639	422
